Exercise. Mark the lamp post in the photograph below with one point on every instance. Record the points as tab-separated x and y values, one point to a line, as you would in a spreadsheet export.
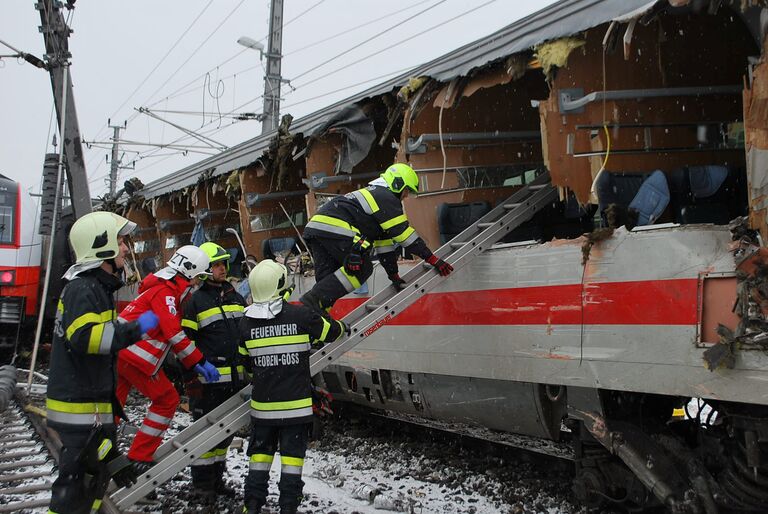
272	79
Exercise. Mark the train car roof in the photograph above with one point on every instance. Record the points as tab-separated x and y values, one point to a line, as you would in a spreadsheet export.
563	18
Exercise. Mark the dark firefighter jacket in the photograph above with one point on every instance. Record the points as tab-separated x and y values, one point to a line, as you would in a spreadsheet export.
86	339
211	319
278	349
374	213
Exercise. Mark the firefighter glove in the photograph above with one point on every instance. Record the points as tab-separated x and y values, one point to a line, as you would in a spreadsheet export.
443	267
122	471
208	371
344	327
321	401
397	282
147	321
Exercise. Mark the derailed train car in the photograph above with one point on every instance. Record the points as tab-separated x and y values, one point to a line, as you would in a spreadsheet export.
649	117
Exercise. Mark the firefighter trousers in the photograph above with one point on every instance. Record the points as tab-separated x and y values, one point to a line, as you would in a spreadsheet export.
164	398
264	442
208	470
332	280
79	488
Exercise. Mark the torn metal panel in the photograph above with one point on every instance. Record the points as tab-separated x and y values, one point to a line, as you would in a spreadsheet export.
563	18
359	135
756	142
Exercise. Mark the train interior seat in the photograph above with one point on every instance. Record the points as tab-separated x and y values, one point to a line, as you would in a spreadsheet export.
274	246
707	194
453	218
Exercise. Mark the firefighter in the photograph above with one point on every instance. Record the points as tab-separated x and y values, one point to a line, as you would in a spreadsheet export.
344	232
81	382
276	336
211	319
140	365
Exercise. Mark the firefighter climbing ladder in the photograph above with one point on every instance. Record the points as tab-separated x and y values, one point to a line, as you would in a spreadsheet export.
205	433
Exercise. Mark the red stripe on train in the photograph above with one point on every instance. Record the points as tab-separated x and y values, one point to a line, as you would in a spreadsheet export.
647	302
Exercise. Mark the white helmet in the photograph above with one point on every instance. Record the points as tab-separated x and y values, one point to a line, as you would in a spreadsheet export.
190	261
267	279
94	236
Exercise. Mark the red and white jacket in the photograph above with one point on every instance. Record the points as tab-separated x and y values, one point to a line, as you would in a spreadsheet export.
162	297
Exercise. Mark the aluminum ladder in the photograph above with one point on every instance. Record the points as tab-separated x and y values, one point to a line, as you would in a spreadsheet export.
202	435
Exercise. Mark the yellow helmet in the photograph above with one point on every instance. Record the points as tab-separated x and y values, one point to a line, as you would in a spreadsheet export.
215	253
94	237
399	176
267	279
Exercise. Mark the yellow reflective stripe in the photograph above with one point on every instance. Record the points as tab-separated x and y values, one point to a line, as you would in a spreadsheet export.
394	221
365	244
293	404
233	308
220	451
104	448
242	351
333	221
352	279
260	457
405	235
96	505
326	328
207	313
94	340
383	242
274	341
90	317
188	323
60	307
291	461
78	407
208	455
369	197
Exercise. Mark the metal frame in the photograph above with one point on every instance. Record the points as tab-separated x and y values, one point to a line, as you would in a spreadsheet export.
573	101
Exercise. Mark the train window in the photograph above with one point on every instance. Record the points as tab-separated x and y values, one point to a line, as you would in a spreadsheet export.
272	220
7	215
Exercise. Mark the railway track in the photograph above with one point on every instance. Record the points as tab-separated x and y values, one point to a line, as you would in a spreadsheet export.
27	461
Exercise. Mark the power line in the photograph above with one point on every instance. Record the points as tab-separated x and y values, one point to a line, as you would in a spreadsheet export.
378	34
152	71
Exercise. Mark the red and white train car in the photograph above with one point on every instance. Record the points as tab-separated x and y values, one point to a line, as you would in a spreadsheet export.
20	250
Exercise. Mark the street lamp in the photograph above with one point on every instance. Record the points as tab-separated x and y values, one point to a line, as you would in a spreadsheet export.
252	44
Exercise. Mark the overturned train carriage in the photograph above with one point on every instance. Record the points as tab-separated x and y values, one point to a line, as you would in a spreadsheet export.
649	117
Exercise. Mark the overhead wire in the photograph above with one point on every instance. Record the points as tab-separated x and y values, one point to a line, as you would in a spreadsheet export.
152	71
368	40
433	27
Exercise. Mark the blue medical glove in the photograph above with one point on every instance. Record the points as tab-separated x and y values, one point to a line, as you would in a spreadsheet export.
209	371
147	321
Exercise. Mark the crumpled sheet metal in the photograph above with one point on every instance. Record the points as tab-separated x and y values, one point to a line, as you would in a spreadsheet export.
751	300
359	135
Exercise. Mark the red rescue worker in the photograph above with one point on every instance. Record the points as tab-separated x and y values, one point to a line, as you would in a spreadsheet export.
140	365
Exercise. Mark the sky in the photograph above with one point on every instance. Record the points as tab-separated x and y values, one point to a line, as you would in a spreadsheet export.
183	56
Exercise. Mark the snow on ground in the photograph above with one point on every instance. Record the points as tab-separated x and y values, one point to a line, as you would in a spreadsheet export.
359	468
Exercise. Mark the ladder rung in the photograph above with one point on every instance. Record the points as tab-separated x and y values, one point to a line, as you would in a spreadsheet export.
485	224
372	306
427	265
510	206
458	245
176	443
536	187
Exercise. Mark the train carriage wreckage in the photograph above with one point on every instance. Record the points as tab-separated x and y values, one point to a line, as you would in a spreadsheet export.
598	174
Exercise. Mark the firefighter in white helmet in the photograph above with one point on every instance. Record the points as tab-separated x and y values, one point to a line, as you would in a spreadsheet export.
140	365
277	337
81	381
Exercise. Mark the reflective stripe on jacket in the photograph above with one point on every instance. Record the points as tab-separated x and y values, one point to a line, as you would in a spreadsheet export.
278	350
211	318
374	213
86	337
161	297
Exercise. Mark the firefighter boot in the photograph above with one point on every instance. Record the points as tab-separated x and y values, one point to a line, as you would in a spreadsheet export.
141	466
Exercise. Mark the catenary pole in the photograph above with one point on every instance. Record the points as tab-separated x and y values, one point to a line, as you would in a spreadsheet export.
273	79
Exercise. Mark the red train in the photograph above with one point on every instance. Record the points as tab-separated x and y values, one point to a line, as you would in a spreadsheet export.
20	250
